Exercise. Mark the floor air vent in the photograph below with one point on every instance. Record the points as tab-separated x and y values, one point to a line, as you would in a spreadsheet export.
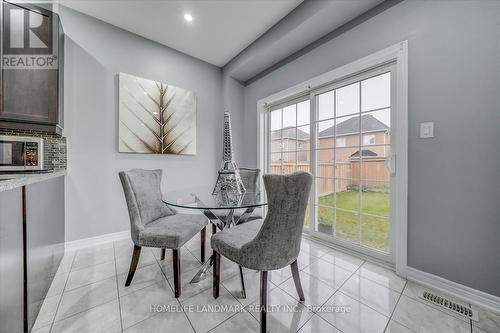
461	309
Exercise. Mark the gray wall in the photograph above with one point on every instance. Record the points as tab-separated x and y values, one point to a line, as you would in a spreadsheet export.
454	63
95	53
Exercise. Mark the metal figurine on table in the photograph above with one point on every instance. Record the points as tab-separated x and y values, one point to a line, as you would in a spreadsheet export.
228	180
228	192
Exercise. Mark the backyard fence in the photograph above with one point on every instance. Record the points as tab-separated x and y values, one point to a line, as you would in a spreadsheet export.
373	173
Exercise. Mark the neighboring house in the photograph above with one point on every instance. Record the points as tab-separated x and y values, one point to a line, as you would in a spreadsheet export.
344	136
295	143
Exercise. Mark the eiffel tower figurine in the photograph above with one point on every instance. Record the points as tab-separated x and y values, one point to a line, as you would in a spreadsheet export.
229	183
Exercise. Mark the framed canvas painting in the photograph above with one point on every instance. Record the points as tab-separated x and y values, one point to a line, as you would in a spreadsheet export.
155	117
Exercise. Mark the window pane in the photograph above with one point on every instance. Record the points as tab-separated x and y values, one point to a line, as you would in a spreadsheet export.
347	198
348	128
347	100
289	116
275	167
376	121
276	144
303	138
325	220
325	128
304	160
375	199
325	105
325	167
289	141
294	161
346	225
376	92
276	120
324	187
374	167
375	232
340	142
325	156
289	157
303	113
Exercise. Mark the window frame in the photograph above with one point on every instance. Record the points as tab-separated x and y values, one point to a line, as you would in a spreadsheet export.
398	55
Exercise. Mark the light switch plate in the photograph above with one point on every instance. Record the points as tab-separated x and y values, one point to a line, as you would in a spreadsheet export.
427	130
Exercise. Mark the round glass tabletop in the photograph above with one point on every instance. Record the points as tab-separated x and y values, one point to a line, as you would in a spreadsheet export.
202	198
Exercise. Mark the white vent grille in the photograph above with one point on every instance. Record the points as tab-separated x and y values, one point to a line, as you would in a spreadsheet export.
461	309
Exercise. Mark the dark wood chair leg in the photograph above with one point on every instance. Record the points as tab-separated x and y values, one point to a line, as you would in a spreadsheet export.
162	254
242	279
296	280
176	261
263	301
214	229
203	234
133	264
216	277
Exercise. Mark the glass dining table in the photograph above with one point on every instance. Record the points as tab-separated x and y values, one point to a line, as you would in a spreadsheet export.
220	209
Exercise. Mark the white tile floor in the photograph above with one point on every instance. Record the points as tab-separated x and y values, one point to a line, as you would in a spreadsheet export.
88	295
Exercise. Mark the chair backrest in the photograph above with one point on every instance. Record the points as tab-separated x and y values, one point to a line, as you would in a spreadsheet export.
250	179
142	190
278	241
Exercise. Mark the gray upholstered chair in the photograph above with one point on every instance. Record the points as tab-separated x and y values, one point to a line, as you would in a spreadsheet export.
154	224
270	244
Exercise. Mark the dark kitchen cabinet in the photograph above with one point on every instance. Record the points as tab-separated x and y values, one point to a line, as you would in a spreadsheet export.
31	248
32	68
11	262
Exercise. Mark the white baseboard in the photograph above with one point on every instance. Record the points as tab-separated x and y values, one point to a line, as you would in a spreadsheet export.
457	290
97	240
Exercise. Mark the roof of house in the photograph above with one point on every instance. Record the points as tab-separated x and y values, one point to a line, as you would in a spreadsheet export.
351	125
290	133
364	152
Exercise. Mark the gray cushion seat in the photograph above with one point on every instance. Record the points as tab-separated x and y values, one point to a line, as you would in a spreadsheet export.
171	231
231	242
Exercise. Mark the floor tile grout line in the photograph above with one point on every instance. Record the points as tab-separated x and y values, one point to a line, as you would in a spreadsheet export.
117	288
62	293
372	280
336	291
395	306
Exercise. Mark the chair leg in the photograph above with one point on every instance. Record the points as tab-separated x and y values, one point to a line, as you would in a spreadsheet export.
162	254
263	301
176	261
133	264
203	234
296	280
216	277
214	229
242	279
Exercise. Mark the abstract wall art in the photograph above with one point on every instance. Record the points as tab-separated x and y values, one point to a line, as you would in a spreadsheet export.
155	117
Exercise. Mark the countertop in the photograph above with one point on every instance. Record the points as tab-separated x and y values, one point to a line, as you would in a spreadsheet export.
12	181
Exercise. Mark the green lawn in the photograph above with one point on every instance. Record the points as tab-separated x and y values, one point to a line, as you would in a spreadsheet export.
374	230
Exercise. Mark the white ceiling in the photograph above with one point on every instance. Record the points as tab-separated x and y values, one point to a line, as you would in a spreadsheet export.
220	29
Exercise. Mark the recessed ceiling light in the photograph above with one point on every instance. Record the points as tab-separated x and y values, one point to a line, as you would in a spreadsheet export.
188	17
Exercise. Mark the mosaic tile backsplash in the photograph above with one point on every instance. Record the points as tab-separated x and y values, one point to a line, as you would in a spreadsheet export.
54	147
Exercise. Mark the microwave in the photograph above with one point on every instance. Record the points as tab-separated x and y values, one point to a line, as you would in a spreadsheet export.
18	153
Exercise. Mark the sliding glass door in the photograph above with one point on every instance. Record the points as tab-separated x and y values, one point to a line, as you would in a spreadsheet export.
341	133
